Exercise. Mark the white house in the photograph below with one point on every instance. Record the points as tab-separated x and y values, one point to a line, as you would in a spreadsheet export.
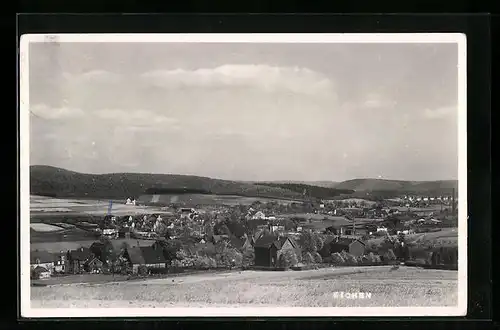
259	216
379	229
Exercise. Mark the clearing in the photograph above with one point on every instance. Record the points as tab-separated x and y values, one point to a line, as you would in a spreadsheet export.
313	288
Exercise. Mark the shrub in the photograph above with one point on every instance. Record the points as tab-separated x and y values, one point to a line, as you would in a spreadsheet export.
142	270
287	259
373	258
307	258
364	260
337	259
248	257
389	255
349	258
317	258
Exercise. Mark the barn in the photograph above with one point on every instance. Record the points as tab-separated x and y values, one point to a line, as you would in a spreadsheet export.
268	249
352	246
146	256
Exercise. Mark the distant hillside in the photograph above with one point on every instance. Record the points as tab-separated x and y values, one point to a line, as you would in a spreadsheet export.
310	190
324	184
53	181
380	185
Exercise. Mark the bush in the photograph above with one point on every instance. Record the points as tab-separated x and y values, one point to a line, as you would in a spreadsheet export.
364	260
142	270
373	258
287	259
307	258
337	259
317	258
349	258
389	255
248	257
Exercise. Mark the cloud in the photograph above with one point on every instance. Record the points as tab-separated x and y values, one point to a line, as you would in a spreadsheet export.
93	76
376	100
134	118
46	112
439	113
264	77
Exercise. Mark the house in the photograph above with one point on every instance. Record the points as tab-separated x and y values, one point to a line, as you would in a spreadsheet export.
93	265
42	259
269	248
353	246
130	202
241	243
146	256
110	232
259	216
60	262
359	229
124	232
40	272
76	260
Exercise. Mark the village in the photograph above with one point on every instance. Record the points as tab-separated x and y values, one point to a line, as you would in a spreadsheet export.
263	236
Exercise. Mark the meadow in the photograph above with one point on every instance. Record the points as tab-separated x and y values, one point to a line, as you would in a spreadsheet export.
313	288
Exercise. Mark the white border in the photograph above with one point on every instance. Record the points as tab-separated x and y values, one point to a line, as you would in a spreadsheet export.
460	39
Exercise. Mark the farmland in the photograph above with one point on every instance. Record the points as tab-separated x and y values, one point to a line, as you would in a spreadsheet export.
207	199
44	228
314	288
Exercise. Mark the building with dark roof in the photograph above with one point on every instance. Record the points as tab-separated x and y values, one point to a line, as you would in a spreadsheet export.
147	256
42	259
268	249
76	260
335	244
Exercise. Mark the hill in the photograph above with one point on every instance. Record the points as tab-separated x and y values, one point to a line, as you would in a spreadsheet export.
324	184
58	182
310	190
381	185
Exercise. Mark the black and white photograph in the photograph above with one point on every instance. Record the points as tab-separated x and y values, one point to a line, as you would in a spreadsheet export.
243	175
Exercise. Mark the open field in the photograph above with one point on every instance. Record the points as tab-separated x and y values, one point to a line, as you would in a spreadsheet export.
403	287
40	205
209	199
444	237
57	246
45	228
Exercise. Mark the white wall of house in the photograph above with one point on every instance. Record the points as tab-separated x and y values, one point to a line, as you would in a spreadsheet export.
47	265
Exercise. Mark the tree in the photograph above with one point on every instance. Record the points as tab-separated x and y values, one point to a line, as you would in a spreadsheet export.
142	270
307	258
248	257
34	275
169	248
310	242
317	258
389	255
287	259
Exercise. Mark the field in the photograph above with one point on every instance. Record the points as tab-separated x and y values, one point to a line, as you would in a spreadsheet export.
314	288
444	237
57	246
46	206
44	228
206	199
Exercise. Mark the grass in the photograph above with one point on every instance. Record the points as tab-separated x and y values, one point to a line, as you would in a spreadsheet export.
309	288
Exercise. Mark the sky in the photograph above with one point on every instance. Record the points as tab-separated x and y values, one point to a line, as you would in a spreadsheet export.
247	111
